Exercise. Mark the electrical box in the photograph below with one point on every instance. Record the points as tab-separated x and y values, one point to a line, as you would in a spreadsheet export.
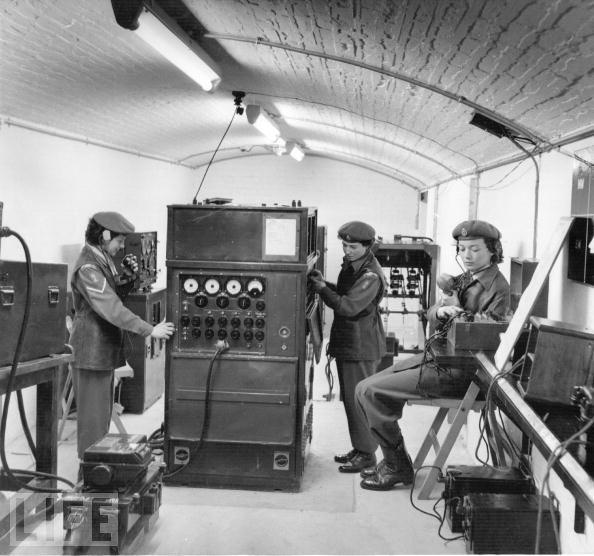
521	271
460	480
559	356
146	356
143	245
238	275
46	329
506	524
582	192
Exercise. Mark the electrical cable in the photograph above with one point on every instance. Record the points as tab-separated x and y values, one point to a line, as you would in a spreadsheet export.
25	425
195	199
5	232
556	455
206	419
435	514
328	373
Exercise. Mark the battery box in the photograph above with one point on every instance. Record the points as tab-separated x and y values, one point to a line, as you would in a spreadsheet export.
506	524
461	480
480	334
115	460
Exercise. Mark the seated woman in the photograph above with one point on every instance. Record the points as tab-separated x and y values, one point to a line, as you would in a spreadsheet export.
380	398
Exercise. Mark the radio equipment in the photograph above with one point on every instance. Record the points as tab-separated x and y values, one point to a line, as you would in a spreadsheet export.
506	524
46	330
237	277
120	496
143	246
559	355
479	333
145	355
461	480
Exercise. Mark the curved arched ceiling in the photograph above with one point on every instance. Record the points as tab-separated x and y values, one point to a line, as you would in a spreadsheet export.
390	85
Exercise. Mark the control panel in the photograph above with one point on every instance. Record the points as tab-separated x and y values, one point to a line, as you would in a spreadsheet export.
221	306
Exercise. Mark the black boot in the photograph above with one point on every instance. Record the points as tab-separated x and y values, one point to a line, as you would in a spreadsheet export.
369	471
343	458
395	468
358	462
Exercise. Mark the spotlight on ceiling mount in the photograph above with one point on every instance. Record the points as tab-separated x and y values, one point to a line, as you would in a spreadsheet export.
295	151
162	33
263	123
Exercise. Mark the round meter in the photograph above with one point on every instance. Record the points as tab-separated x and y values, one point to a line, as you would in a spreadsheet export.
212	286
190	285
233	286
255	287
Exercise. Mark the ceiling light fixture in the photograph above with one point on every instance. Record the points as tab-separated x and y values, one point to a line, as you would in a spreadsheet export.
295	151
162	33
263	123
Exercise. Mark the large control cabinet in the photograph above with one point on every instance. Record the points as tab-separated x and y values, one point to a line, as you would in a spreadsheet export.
237	277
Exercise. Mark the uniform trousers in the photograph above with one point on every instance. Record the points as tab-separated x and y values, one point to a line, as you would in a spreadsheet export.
93	390
380	399
350	373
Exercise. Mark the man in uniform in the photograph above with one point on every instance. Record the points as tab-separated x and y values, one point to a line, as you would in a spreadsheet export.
381	398
100	316
357	339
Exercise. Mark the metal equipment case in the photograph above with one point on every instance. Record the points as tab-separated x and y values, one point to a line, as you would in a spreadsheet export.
506	524
461	480
46	331
238	274
145	355
558	357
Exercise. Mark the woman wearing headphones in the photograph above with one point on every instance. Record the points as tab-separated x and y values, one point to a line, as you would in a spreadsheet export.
100	318
380	399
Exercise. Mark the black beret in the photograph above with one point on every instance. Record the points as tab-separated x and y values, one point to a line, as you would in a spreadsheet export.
474	229
114	222
356	231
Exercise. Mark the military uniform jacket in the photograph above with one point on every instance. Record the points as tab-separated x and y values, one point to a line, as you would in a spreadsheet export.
100	315
487	292
357	332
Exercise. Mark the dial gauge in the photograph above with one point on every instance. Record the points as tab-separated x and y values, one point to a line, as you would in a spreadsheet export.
255	287
190	285
212	286
233	286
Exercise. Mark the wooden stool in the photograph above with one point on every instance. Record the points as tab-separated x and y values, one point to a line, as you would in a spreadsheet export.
460	408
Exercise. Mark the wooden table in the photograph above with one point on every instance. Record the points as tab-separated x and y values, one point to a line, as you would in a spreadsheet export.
45	374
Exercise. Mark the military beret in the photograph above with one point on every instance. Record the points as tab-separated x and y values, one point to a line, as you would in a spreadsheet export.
474	229
356	231
114	222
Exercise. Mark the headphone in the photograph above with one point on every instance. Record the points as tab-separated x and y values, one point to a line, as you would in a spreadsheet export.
106	234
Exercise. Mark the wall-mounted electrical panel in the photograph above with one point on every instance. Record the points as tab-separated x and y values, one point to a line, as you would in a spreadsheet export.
237	277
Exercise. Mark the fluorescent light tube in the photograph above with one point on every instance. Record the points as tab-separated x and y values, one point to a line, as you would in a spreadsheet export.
262	122
186	55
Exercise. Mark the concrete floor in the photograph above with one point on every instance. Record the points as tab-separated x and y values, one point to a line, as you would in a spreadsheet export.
330	515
